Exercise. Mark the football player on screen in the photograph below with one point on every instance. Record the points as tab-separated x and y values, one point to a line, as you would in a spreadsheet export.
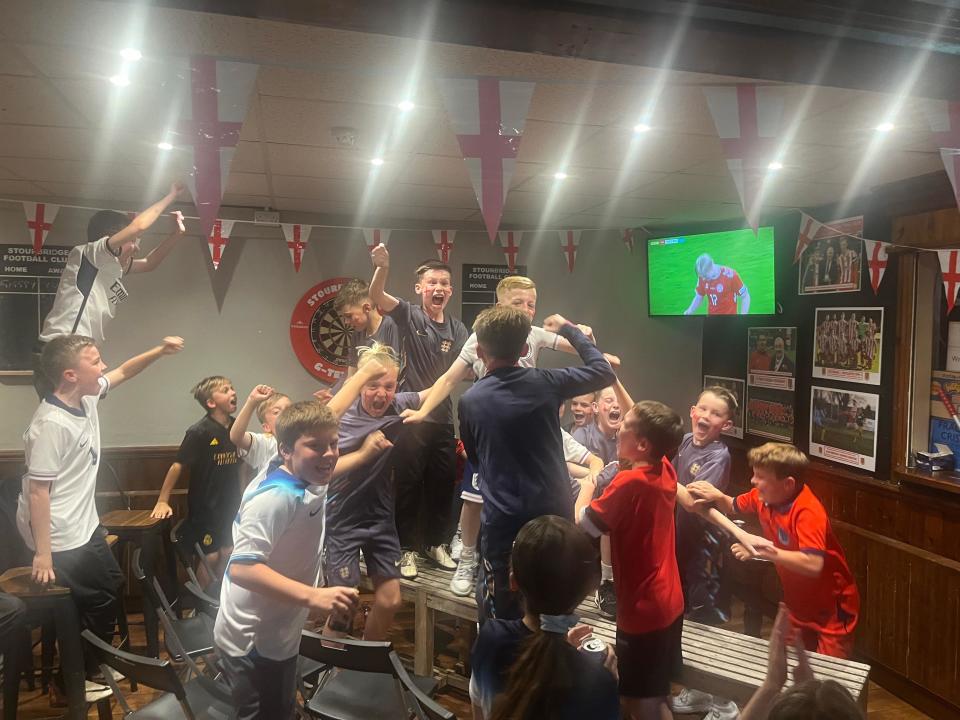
721	286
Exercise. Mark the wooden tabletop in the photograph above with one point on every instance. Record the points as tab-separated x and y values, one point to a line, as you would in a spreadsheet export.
117	520
17	582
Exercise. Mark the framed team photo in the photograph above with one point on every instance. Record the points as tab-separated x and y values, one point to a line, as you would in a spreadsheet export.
770	413
772	357
736	387
832	262
843	426
846	344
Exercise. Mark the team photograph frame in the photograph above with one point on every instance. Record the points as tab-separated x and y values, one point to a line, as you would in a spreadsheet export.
737	387
772	357
847	343
771	413
843	426
833	262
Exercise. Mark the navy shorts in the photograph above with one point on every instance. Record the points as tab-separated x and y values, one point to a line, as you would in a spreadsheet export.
648	662
470	484
211	533
378	543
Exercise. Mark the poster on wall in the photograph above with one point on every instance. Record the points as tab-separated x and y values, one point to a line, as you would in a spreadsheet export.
772	357
770	413
831	263
735	386
843	426
478	288
846	344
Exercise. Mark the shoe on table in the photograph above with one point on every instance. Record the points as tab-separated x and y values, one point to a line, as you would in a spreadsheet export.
708	615
722	710
456	546
606	599
441	558
408	565
465	578
689	701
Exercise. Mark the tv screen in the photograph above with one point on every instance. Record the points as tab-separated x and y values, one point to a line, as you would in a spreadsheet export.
722	273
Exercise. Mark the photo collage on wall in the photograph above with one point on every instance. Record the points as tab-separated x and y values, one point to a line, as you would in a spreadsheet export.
831	263
771	382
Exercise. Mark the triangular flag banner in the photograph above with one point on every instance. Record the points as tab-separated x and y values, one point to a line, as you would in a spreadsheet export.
40	217
217	240
510	242
296	237
219	95
944	120
628	239
877	259
951	275
747	118
488	115
809	227
443	241
375	236
569	242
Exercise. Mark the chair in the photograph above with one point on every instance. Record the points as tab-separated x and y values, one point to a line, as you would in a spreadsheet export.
195	634
193	700
366	680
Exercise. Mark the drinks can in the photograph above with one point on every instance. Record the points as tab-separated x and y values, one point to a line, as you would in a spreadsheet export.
594	648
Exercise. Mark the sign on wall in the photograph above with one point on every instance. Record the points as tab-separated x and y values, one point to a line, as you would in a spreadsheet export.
319	338
479	288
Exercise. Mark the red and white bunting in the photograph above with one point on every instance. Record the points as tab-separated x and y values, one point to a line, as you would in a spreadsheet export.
215	95
488	115
296	237
217	241
443	241
809	227
747	118
569	242
951	275
877	259
944	120
40	217
375	236
510	242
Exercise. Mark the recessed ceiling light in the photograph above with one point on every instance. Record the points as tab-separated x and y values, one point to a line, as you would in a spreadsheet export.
377	162
165	145
131	54
405	105
560	175
641	128
120	80
885	127
775	165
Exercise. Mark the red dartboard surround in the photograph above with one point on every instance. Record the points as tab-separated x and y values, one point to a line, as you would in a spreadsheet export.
319	338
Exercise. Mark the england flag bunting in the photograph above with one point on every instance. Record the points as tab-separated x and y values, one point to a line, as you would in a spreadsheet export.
40	217
943	117
488	115
569	242
951	275
296	237
809	227
877	259
510	242
747	118
217	241
443	241
375	236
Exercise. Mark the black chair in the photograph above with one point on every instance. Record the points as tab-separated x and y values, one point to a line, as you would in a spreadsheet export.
198	698
366	680
205	604
195	634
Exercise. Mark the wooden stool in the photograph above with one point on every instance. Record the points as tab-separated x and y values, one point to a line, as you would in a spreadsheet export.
137	527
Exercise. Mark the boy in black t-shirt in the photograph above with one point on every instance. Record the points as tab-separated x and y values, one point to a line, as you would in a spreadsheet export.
212	464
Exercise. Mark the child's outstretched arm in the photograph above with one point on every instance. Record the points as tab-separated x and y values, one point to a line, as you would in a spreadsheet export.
135	365
162	509
373	444
142	222
260	578
753	544
352	387
438	392
159	253
378	294
238	431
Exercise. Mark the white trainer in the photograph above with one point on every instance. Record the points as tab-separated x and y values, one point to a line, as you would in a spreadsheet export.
689	701
441	558
408	565
465	578
456	546
722	710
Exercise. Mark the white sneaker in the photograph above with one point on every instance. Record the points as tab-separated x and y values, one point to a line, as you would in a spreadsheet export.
408	565
456	546
94	691
689	701
441	558
722	710
465	578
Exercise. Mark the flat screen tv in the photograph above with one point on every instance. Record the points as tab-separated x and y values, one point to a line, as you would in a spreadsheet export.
721	273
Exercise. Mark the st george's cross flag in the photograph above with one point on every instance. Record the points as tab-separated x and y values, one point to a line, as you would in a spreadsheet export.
943	117
40	217
569	243
747	118
488	115
217	240
510	242
877	259
809	227
375	236
443	241
296	237
951	275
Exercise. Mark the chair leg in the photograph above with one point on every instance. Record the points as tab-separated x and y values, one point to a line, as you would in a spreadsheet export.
25	650
103	709
47	638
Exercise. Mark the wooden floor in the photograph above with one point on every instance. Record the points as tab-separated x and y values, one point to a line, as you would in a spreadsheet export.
453	640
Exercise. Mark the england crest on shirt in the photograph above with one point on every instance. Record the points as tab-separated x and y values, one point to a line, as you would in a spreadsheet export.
445	345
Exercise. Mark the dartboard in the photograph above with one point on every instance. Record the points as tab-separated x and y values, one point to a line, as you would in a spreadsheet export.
319	338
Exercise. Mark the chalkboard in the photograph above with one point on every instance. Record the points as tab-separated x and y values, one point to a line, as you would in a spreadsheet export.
478	290
28	285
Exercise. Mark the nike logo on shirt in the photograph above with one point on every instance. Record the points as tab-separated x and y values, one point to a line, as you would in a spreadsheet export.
314	512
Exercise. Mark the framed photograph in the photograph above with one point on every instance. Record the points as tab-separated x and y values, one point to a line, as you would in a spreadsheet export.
770	413
843	426
846	344
772	357
832	262
735	386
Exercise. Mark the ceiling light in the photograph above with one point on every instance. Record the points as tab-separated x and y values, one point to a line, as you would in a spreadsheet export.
559	175
377	162
165	145
641	128
121	80
775	165
405	105
885	127
131	54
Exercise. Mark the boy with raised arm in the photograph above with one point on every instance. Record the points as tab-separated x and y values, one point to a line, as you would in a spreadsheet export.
257	449
510	426
425	460
360	314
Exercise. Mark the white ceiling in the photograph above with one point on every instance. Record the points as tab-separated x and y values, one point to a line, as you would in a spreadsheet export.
67	135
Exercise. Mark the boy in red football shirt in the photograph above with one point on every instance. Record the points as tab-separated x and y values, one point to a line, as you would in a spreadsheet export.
818	587
722	286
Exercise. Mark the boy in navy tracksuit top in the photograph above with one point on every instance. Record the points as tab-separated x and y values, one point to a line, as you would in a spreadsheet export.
510	427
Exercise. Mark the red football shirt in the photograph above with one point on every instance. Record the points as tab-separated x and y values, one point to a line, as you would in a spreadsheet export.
721	293
829	603
637	510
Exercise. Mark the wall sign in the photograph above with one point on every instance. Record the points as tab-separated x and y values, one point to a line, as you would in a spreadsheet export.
479	288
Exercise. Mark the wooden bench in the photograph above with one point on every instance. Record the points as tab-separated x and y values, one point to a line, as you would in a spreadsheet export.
717	661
